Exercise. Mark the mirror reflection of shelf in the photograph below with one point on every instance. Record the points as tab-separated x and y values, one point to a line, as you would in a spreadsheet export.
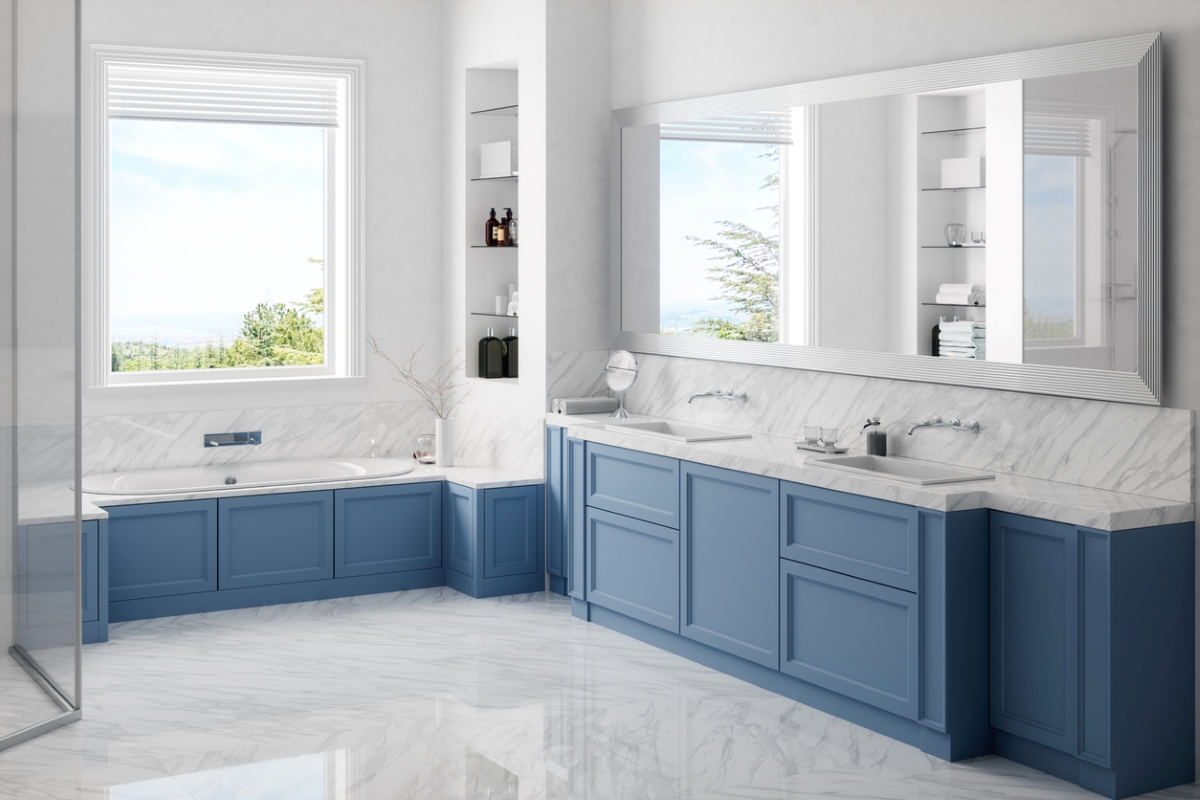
498	178
952	188
953	246
954	305
486	314
495	246
955	131
498	111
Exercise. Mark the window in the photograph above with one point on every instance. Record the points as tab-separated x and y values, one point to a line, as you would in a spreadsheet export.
227	216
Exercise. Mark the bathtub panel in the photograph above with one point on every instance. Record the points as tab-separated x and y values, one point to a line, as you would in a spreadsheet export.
162	549
387	529
283	538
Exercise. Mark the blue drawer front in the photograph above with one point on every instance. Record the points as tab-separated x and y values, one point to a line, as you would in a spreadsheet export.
1035	630
460	528
638	485
555	511
90	587
162	549
859	536
851	636
633	568
387	529
730	535
512	524
286	538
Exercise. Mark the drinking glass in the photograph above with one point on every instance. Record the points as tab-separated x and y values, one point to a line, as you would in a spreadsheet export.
829	436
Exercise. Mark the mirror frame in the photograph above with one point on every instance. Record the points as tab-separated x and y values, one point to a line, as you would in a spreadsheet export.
1144	386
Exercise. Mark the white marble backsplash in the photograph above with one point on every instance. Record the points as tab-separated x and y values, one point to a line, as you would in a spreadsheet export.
1115	446
576	373
487	437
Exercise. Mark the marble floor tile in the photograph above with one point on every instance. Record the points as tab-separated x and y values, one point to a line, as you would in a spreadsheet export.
431	694
22	701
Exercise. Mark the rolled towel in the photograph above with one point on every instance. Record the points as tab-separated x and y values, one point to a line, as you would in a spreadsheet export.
955	299
959	288
583	405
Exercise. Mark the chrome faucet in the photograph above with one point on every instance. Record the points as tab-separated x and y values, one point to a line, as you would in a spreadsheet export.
720	395
955	424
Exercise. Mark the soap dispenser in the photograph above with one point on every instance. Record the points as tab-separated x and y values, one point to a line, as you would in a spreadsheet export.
510	353
876	437
491	356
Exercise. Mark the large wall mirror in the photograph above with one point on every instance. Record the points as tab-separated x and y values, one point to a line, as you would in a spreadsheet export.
992	222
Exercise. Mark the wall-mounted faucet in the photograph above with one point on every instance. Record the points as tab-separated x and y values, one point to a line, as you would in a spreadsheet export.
232	439
720	395
970	426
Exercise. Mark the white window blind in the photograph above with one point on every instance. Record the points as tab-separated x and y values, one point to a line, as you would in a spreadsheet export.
1057	135
203	94
767	127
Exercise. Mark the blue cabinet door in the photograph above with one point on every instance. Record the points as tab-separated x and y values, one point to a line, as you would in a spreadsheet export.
860	536
461	522
633	568
852	636
638	485
730	537
90	580
381	529
162	549
574	463
512	524
1035	630
272	539
555	512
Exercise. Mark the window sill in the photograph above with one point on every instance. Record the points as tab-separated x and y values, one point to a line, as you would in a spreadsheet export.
232	384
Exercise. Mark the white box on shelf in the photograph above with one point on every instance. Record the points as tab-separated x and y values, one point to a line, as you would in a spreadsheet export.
963	173
497	159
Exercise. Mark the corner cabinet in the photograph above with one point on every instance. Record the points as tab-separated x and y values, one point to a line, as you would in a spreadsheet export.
963	633
493	540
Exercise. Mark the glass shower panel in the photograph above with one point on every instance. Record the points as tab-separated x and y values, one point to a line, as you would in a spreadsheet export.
39	332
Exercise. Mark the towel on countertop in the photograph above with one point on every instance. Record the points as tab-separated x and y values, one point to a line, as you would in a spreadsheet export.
583	405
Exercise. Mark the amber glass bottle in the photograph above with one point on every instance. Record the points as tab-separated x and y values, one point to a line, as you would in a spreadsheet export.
489	230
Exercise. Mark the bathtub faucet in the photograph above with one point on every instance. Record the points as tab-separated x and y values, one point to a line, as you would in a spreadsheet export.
231	439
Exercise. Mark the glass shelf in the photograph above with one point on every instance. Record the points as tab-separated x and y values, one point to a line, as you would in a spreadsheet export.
952	188
954	305
498	178
485	314
955	130
494	246
954	247
498	111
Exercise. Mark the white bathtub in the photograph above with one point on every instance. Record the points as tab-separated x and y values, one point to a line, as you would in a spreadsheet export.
243	476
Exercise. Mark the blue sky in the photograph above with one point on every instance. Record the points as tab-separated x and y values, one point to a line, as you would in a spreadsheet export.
208	219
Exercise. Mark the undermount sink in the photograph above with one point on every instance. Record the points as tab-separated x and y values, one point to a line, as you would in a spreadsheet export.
676	431
918	472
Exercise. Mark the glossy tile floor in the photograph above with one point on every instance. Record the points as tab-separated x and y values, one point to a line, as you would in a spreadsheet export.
430	694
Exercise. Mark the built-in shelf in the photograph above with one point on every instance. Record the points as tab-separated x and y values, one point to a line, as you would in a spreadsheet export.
952	188
498	111
497	178
953	247
955	305
955	130
486	314
495	246
492	380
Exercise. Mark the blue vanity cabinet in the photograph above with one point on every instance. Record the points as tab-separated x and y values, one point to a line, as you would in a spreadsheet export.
1092	648
575	502
633	484
162	549
95	581
379	529
273	539
556	544
729	589
633	568
493	539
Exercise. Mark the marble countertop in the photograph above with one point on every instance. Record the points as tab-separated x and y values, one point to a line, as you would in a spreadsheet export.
53	502
778	457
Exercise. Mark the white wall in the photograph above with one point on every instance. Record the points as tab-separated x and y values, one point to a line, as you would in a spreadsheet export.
400	40
772	42
7	479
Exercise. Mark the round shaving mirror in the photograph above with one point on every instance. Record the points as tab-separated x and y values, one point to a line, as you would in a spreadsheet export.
619	373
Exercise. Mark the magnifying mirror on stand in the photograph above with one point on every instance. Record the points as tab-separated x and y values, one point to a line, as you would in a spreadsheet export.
619	373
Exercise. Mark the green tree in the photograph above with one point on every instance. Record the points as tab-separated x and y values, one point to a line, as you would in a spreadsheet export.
746	269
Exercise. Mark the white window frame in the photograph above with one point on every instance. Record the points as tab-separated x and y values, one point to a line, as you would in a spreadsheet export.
344	317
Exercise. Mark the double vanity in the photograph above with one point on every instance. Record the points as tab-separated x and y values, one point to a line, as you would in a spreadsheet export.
1048	623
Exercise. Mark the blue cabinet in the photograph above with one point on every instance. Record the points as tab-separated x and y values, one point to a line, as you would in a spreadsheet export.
95	581
638	485
556	545
162	549
380	529
857	638
1092	648
575	502
633	568
493	539
273	539
729	537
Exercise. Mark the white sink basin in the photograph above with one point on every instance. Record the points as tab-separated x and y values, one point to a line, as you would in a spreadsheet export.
676	431
919	472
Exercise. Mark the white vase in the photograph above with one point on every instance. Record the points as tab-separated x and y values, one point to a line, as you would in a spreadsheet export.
443	429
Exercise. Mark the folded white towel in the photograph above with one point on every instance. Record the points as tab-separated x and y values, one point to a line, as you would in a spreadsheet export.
965	337
962	325
960	288
963	356
956	299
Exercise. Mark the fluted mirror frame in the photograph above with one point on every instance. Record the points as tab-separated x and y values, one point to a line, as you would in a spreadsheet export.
1143	387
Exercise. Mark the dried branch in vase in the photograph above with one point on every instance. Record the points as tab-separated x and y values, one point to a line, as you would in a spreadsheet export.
439	389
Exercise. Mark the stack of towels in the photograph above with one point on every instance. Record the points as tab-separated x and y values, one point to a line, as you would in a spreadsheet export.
963	339
960	294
